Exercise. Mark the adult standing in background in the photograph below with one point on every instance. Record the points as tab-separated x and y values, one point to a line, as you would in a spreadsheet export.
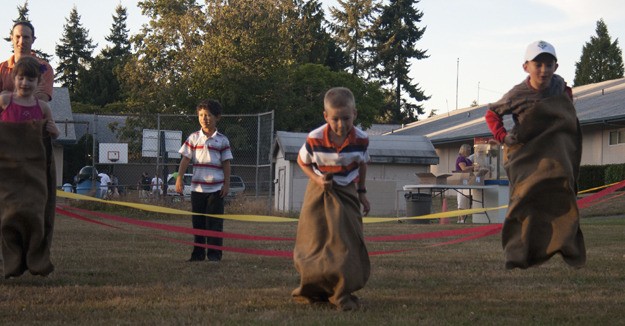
22	37
463	165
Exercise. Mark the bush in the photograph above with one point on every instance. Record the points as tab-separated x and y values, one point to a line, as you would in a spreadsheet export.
614	173
591	176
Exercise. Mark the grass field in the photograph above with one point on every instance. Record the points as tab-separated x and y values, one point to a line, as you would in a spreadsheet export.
110	276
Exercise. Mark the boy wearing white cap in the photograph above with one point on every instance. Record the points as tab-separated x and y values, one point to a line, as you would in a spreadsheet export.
542	159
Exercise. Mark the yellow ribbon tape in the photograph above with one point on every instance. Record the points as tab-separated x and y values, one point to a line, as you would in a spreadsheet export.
167	210
264	218
596	188
432	216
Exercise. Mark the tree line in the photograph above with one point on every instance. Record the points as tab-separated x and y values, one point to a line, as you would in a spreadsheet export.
253	56
262	55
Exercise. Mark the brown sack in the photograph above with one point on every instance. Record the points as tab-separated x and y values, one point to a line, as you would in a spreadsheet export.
330	253
543	218
27	198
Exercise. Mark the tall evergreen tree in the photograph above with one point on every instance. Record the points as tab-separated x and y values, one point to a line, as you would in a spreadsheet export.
119	36
99	85
394	42
601	58
308	36
74	51
352	27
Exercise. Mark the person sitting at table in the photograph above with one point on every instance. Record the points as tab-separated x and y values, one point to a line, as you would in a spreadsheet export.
463	164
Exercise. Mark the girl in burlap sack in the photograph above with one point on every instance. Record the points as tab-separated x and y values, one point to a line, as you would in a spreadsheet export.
26	169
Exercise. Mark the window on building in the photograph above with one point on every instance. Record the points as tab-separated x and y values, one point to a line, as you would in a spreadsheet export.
617	137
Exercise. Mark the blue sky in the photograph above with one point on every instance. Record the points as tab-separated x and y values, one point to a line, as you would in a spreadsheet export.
478	43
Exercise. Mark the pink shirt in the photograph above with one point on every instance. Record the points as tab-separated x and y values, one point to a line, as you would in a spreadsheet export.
19	113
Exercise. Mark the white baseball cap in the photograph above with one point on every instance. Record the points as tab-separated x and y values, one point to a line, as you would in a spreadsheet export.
539	47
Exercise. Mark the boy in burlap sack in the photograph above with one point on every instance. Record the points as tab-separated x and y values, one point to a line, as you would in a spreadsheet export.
542	158
330	253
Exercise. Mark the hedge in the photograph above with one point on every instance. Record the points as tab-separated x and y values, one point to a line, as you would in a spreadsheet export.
591	176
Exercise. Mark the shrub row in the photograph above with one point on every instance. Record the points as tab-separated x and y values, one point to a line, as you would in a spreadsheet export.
591	176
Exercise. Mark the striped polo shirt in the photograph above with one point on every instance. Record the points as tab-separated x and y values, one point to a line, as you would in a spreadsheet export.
207	154
343	161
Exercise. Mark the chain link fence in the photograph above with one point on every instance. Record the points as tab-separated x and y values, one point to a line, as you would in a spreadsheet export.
125	147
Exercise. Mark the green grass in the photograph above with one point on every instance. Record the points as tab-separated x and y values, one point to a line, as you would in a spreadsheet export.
105	276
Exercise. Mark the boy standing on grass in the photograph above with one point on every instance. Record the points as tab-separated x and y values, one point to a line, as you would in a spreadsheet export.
210	152
542	159
330	253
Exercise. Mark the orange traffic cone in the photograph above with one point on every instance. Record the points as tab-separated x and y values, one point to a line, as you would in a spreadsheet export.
444	209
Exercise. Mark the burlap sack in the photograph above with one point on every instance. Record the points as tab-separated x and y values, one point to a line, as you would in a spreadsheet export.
27	198
330	253
543	218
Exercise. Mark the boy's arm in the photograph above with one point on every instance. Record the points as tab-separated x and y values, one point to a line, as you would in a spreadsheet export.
184	163
495	124
225	189
362	188
322	182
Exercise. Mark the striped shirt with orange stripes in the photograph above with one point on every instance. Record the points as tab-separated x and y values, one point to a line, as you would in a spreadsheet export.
325	157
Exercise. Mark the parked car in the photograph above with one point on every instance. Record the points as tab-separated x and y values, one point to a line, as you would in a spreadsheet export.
237	186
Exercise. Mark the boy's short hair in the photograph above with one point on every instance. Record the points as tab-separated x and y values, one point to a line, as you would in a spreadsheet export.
27	66
537	48
23	23
211	105
339	97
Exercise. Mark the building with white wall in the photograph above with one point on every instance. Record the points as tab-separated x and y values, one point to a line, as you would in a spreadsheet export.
395	160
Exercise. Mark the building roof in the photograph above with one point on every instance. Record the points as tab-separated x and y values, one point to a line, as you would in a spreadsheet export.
600	102
595	104
380	129
396	149
61	108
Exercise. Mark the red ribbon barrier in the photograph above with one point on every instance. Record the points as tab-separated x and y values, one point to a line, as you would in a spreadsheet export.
491	229
472	233
82	218
435	234
259	252
178	229
586	201
494	230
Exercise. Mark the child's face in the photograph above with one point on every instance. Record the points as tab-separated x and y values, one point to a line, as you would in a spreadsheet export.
540	70
25	86
340	120
207	120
